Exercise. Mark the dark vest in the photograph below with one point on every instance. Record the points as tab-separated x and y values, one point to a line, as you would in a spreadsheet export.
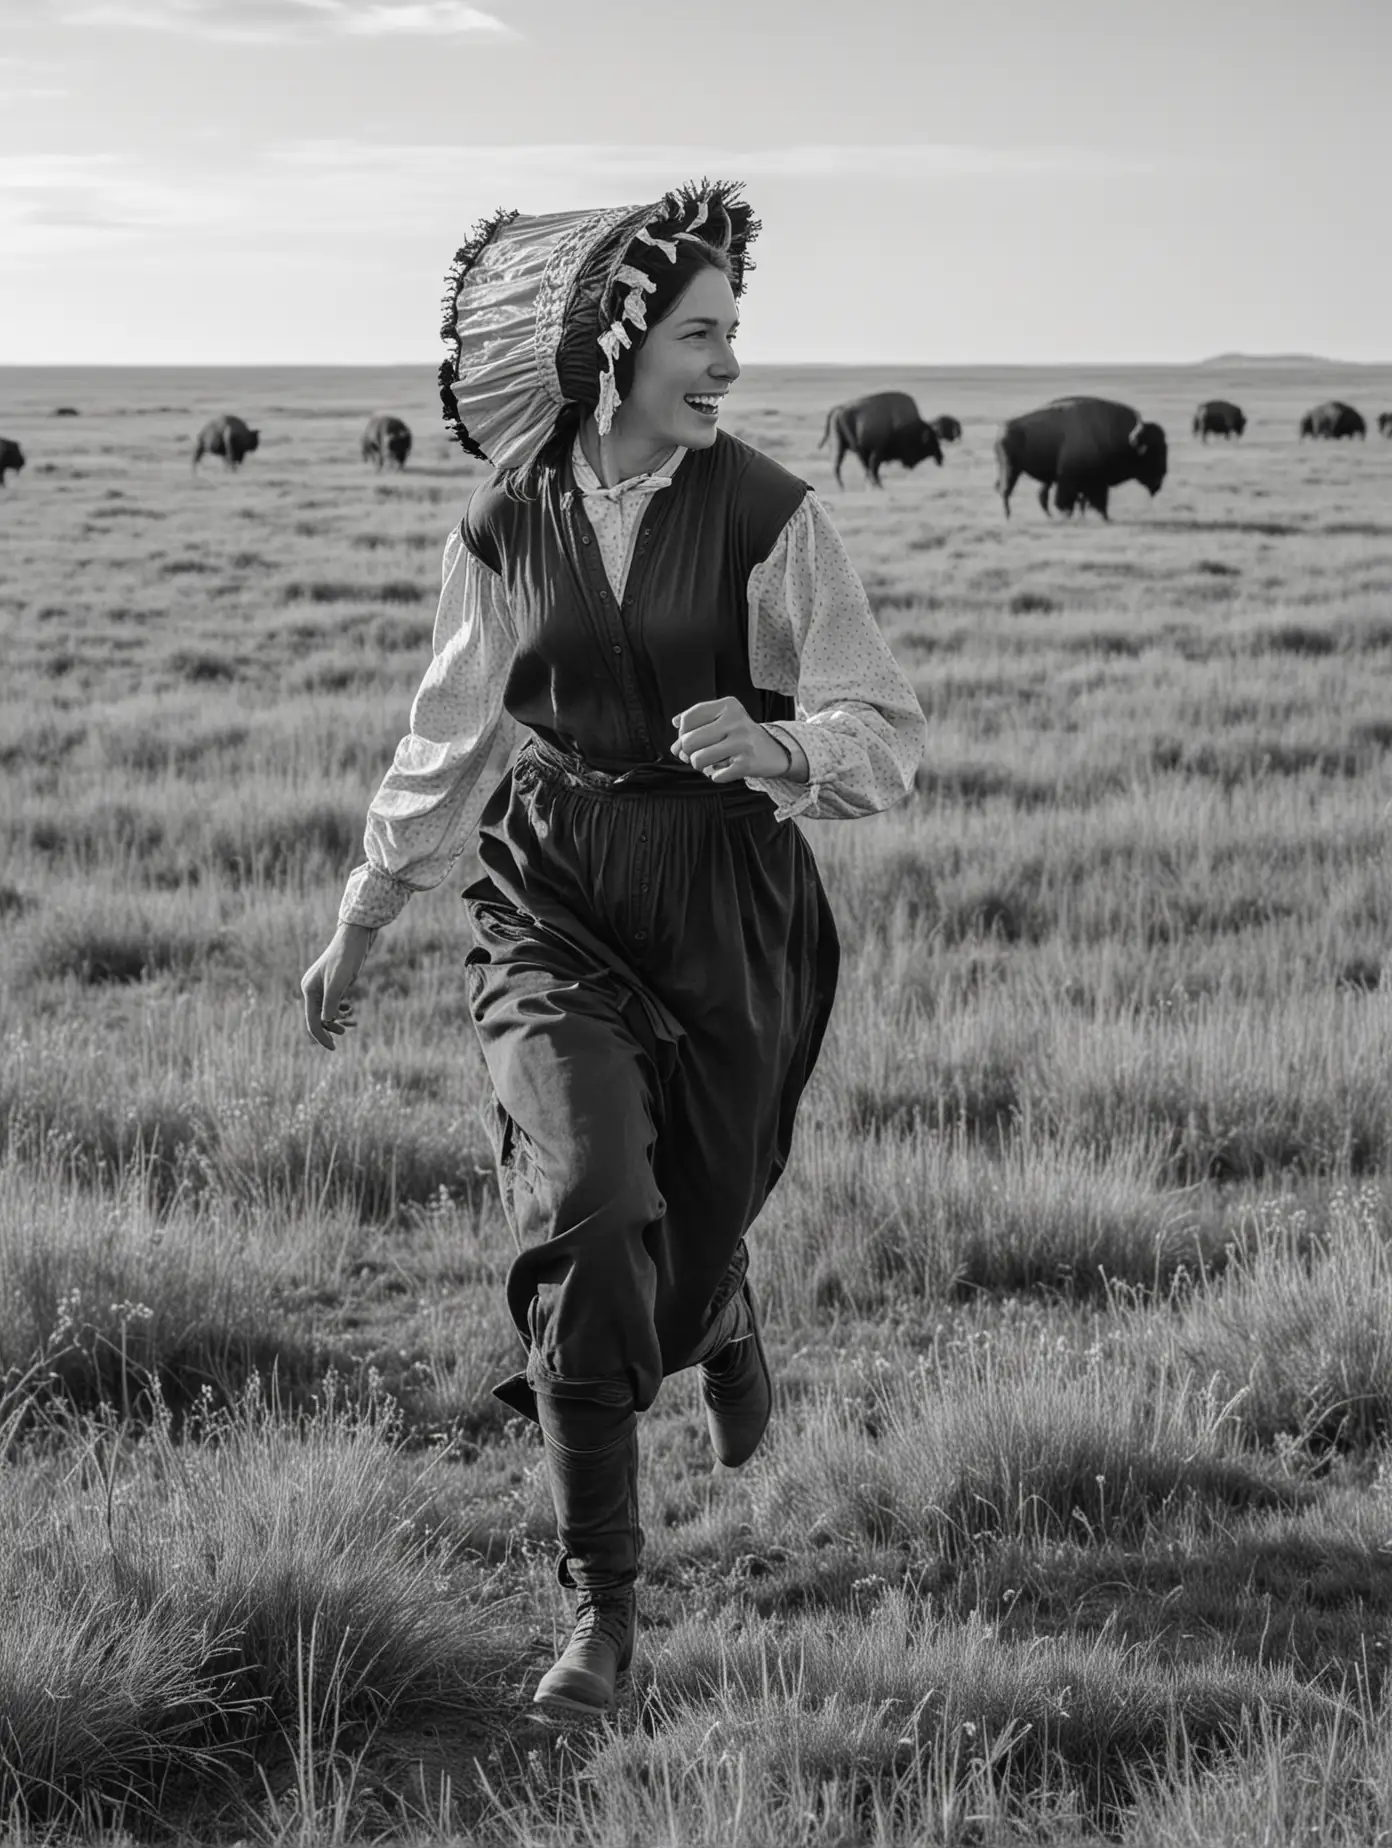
606	678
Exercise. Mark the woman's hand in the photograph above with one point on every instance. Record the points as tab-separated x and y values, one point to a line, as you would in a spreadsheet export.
325	984
719	738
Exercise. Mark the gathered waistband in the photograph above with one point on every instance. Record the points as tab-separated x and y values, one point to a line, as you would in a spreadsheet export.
655	779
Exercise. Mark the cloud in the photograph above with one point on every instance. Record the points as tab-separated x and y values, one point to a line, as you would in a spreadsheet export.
26	80
54	202
635	168
426	18
267	22
365	196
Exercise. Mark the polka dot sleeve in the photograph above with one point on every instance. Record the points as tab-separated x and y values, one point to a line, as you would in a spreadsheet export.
812	634
459	747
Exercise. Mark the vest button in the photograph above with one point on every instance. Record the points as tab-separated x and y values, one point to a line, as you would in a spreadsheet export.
618	649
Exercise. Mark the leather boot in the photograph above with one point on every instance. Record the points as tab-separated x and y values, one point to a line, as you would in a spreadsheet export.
582	1682
735	1385
594	1486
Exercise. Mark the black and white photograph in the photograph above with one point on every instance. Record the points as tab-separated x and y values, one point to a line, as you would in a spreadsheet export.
695	924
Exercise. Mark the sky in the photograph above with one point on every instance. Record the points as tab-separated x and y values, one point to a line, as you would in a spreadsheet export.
941	182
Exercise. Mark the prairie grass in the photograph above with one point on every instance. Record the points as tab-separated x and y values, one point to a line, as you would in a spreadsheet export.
1073	1522
1016	1439
269	1594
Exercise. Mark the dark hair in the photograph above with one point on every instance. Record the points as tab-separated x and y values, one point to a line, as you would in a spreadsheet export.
673	278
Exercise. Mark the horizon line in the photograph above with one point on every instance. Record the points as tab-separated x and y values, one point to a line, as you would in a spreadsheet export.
937	365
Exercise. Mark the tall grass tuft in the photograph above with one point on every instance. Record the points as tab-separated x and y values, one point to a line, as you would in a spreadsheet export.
886	1222
1019	1439
111	1301
918	1729
198	1615
1298	1332
244	1120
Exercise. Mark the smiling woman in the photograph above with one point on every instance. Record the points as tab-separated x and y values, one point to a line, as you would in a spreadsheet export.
650	653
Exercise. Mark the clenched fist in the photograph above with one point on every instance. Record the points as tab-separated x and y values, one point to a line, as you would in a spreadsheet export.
718	738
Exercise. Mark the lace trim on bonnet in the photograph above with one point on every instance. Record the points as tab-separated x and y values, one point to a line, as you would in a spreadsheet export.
632	311
465	258
512	299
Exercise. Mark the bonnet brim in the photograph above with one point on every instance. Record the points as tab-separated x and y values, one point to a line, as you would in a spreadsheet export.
538	309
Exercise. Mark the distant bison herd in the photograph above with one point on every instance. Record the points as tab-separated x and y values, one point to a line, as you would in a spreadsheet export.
386	439
1077	449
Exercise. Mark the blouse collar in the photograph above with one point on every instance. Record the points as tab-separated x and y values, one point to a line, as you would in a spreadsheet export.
653	482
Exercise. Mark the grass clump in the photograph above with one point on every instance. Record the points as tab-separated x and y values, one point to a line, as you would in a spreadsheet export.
877	1220
1298	1333
258	1603
325	590
224	1131
97	952
1012	1440
110	1300
920	1730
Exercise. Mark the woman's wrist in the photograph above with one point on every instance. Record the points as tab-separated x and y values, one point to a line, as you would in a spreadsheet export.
798	770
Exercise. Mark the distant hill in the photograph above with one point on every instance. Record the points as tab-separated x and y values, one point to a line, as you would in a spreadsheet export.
1293	360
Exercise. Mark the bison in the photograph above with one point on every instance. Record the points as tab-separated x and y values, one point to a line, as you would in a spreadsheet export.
885	427
11	456
65	410
1333	419
386	439
227	437
946	429
1385	423
1082	448
1217	417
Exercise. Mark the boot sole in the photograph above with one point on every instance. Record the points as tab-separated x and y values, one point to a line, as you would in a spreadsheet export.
560	1707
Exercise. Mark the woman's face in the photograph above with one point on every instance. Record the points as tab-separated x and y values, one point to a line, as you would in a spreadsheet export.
684	367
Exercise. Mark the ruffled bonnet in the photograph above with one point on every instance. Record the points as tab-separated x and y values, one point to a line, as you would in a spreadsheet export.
538	309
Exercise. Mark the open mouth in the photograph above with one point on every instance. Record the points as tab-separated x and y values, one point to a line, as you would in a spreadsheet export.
705	404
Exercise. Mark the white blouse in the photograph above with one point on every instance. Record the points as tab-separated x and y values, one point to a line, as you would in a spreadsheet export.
811	634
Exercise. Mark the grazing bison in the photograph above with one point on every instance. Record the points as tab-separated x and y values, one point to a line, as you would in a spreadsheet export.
11	456
227	437
386	439
946	429
885	427
1217	417
1082	448
1333	419
65	410
1385	423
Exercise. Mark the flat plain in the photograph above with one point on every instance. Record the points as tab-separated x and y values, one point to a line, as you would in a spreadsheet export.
1075	1520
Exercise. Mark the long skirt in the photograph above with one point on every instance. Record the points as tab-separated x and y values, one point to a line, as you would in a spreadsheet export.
654	967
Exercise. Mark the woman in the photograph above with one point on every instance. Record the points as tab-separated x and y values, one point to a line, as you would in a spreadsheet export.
650	653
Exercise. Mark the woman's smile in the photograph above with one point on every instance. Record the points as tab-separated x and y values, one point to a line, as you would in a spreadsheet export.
705	404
